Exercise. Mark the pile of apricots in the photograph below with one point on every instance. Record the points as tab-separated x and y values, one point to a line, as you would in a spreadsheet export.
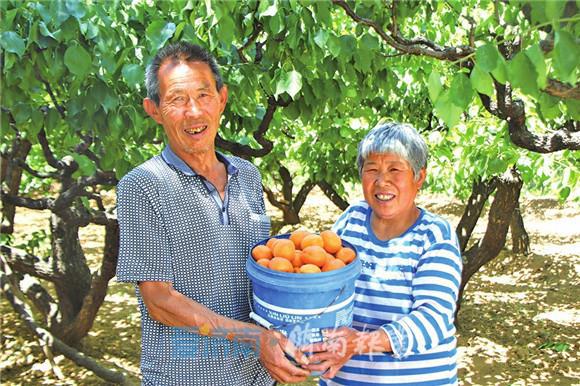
304	252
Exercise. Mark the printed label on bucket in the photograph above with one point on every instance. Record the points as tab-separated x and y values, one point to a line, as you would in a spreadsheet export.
303	326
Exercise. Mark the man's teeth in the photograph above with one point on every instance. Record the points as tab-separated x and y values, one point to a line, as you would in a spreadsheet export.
196	130
385	197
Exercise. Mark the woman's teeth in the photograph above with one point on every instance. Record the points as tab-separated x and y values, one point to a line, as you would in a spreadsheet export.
385	197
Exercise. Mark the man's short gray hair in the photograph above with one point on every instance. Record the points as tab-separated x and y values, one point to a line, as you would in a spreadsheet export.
397	138
179	51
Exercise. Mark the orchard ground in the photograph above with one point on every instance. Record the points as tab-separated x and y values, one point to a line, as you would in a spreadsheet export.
519	320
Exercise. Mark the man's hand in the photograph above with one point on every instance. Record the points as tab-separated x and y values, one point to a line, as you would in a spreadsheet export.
273	346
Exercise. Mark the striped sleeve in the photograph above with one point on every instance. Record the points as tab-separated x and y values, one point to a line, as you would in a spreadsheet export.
435	288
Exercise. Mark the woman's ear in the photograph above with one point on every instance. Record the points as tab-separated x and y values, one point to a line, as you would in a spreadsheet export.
422	176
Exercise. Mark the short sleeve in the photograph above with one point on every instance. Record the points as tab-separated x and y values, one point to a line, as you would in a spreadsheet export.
144	252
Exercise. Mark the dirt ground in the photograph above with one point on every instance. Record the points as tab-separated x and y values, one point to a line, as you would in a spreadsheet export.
519	322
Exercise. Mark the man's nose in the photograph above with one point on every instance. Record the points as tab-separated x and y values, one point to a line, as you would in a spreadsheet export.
194	108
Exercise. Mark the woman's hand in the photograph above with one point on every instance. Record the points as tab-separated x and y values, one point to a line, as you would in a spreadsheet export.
340	345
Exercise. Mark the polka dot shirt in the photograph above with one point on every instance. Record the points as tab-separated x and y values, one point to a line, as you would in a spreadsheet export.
171	230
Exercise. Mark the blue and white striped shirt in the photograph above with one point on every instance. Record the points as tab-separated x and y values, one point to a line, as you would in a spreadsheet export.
408	287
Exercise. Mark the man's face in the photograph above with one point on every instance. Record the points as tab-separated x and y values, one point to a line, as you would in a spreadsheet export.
190	107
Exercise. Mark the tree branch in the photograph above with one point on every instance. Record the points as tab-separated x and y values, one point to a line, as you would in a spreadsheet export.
26	202
417	46
562	90
257	29
52	342
48	154
24	262
561	139
246	151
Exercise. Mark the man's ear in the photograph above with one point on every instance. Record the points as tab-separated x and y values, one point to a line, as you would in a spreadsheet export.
223	93
152	110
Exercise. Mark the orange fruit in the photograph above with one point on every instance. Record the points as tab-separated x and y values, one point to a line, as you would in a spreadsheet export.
309	268
311	240
332	242
329	257
333	264
284	248
297	237
270	243
314	255
261	252
297	262
346	255
281	264
264	262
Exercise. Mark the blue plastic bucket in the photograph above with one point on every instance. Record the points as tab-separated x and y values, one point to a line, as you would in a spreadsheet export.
301	305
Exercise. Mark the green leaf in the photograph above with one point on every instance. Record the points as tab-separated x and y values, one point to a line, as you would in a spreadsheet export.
369	42
487	56
549	106
536	56
320	38
269	11
500	73
553	9
482	81
461	92
12	42
75	8
86	166
78	61
522	74
226	29
435	85
563	195
573	107
133	74
290	82
566	56
447	111
334	45
497	166
158	32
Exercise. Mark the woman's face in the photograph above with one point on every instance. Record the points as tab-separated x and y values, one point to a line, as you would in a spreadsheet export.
389	186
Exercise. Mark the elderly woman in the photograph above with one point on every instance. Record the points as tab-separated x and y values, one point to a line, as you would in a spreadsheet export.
403	332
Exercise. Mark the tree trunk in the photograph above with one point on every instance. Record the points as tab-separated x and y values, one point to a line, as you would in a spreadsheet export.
84	320
333	195
68	259
11	175
507	195
520	238
480	192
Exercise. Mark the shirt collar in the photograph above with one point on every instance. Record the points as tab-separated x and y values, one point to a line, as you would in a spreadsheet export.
173	159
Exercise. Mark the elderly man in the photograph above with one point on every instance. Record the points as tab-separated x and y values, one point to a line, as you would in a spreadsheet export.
188	218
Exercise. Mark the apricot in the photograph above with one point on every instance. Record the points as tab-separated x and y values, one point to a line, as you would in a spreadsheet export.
346	255
311	240
297	237
332	242
284	248
333	264
297	262
270	243
261	252
281	264
264	262
309	268
314	255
